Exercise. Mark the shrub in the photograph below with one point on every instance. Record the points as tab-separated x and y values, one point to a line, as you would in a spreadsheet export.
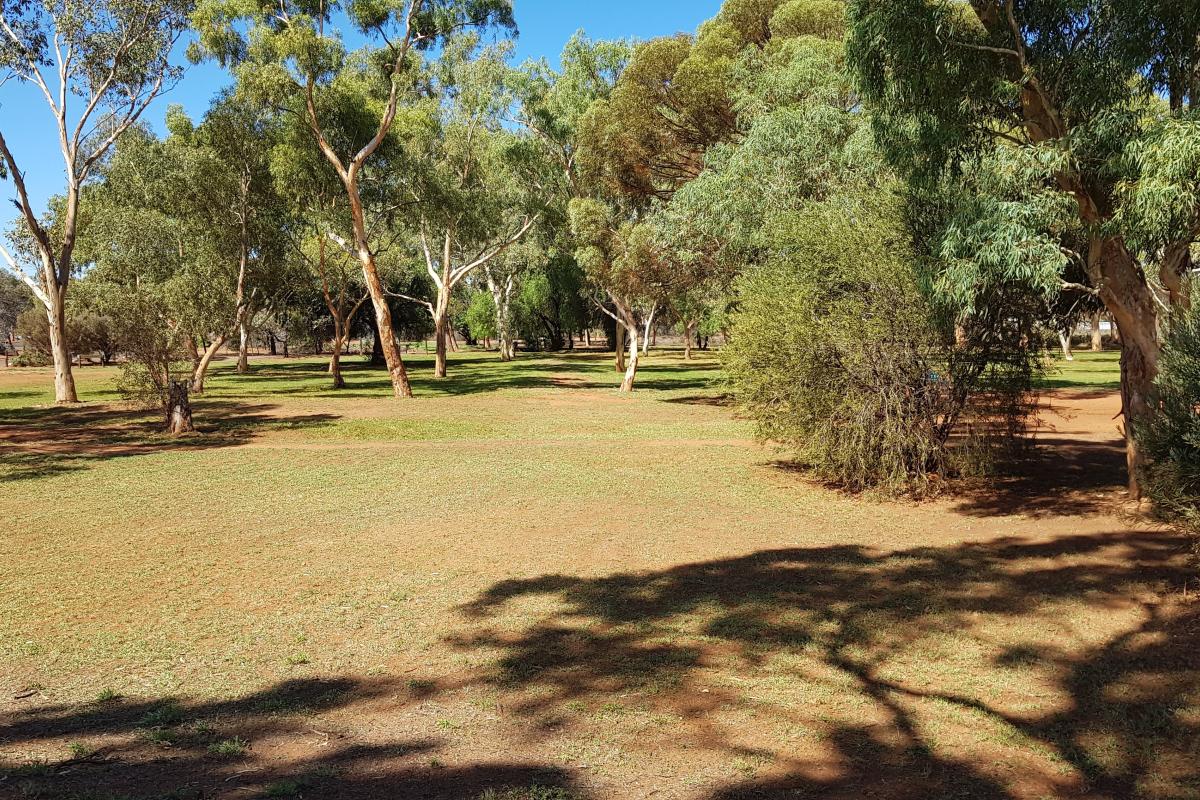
839	356
1171	439
153	349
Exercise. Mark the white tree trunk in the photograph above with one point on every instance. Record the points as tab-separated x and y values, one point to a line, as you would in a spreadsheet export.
243	363
1064	340
64	379
201	370
631	369
649	326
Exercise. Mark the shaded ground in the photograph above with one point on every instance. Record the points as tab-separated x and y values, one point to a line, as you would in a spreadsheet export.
536	588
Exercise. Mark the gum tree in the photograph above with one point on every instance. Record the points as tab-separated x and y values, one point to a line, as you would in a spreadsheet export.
1066	118
290	54
477	188
98	65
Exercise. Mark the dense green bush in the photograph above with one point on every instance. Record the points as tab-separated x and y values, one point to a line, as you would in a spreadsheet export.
1171	440
832	352
839	356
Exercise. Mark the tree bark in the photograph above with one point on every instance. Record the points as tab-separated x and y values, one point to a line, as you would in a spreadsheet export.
201	370
502	291
243	362
335	365
634	352
441	319
179	409
649	326
620	358
1097	333
64	379
689	333
1064	341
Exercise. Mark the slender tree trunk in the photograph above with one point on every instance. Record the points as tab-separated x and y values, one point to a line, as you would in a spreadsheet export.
1064	341
689	333
649	327
502	290
201	370
383	314
243	362
335	365
441	329
620	359
1097	334
64	379
631	369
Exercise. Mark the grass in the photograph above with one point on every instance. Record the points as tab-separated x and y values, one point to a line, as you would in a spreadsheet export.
522	586
1089	370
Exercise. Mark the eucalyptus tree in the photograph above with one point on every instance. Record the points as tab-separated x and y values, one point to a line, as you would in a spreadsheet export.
98	64
1054	116
476	187
620	257
319	231
233	201
291	55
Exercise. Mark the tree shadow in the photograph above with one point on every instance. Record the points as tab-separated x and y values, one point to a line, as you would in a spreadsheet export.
469	375
1129	712
262	745
43	442
1052	477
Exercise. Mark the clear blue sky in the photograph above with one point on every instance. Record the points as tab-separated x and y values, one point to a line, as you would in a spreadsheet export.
545	26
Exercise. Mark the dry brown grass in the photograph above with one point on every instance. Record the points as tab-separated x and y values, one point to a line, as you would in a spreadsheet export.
522	583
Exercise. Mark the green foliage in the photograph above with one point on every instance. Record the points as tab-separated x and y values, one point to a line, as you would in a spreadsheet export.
480	317
14	298
834	355
1171	439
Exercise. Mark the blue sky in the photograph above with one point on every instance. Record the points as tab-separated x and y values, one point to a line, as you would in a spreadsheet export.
545	26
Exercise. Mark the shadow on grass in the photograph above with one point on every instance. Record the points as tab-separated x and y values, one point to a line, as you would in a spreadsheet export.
43	442
838	617
1056	477
172	748
475	373
1132	714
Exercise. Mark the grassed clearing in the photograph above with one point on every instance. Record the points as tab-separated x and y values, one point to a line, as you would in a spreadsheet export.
521	585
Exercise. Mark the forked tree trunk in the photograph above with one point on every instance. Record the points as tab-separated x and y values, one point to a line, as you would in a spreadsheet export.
1064	341
335	365
620	359
179	409
201	370
631	369
689	333
1097	334
502	290
649	327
